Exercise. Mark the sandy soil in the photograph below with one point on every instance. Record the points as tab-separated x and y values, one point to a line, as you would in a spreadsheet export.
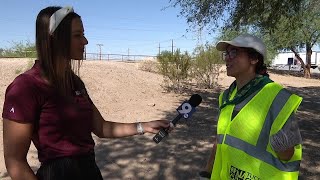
124	93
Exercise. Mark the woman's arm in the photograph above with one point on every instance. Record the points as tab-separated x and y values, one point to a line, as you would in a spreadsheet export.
212	156
107	129
207	170
16	143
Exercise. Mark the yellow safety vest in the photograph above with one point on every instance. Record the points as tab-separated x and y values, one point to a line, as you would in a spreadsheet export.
243	149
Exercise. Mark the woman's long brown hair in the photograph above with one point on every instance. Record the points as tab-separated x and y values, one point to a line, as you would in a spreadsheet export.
53	51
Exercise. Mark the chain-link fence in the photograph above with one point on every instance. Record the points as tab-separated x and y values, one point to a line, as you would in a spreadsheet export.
87	56
117	57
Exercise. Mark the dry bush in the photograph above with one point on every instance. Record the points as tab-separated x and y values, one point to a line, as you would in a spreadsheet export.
175	69
149	66
206	66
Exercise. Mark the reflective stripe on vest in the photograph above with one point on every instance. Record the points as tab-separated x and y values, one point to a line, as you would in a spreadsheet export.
262	155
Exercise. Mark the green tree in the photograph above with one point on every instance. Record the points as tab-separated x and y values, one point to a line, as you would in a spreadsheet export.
236	13
20	49
296	20
300	33
1	52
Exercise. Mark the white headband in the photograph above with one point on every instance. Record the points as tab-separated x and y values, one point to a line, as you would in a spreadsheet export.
57	17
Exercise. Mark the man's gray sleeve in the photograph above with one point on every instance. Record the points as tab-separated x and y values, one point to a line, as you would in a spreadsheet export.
287	137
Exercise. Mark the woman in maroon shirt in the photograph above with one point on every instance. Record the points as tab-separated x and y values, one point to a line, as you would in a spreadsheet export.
49	106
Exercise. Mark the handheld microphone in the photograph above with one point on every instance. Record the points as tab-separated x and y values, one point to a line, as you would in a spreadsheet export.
185	110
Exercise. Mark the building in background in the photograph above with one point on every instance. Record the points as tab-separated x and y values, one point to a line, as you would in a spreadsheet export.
288	61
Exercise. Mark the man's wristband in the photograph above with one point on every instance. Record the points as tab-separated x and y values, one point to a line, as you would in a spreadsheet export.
140	129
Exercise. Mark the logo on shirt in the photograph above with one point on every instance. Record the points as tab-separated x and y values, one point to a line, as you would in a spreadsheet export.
78	93
238	174
12	110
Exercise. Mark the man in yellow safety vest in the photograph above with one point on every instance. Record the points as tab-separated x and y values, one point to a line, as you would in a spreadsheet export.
257	134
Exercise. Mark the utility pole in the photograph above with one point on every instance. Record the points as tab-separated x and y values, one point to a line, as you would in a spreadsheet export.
172	46
100	50
159	49
128	54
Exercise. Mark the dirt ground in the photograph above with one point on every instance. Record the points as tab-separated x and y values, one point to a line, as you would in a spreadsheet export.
124	93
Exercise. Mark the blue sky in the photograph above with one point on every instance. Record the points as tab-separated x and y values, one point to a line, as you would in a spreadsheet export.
137	26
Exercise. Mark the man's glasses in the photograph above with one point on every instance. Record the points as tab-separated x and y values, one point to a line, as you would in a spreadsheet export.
231	54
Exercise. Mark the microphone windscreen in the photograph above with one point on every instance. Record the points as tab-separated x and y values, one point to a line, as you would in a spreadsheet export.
195	100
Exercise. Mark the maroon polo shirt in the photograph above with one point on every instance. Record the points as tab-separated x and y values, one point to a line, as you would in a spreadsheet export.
62	126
